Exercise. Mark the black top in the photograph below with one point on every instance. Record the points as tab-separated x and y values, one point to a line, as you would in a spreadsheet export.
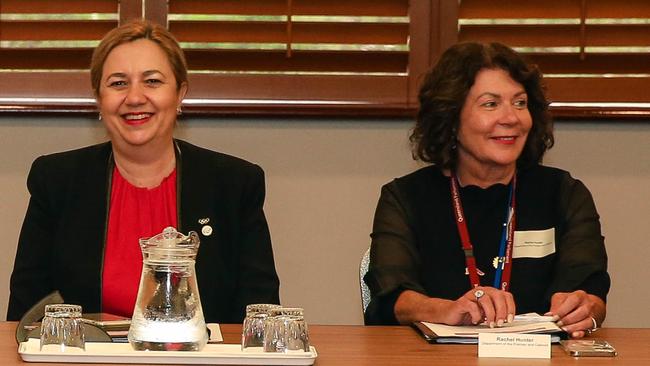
416	246
62	240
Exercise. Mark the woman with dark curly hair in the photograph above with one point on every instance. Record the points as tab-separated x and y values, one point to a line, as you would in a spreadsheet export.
486	231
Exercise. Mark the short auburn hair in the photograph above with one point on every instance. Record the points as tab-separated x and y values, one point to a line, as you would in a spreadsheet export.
133	31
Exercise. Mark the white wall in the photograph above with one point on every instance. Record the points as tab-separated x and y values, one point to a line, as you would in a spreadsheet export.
323	179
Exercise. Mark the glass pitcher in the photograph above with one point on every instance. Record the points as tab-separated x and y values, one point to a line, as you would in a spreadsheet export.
168	314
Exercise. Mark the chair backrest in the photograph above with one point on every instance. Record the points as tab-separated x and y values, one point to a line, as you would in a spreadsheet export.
365	291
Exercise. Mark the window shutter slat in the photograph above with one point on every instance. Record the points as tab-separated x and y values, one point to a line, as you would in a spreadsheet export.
618	9
275	32
242	89
186	31
491	9
576	90
58	6
593	64
523	35
54	30
322	62
618	35
268	7
354	7
279	7
45	59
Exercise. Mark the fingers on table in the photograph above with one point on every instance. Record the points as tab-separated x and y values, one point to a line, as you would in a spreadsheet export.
579	328
497	305
475	312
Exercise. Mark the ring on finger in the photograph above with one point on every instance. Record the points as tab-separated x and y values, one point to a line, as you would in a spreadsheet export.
593	328
478	294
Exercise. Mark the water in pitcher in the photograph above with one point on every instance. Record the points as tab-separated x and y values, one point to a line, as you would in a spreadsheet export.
168	313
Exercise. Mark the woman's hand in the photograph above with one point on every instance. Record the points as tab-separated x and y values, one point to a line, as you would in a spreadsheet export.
488	304
578	313
492	306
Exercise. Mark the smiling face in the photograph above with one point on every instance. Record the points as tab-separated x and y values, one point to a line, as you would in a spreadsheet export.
494	123
138	96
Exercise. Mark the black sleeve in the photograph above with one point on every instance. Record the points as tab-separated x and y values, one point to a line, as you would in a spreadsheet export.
31	279
582	259
394	259
258	281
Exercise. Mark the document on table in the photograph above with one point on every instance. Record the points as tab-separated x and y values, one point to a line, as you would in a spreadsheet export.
440	333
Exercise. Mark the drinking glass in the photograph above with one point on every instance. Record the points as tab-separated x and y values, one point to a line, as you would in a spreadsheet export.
62	328
286	331
253	326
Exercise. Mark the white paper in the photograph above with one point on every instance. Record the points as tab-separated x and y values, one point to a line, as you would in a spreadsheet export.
215	333
473	331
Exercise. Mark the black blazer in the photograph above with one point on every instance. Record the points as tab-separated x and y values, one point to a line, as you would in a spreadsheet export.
61	245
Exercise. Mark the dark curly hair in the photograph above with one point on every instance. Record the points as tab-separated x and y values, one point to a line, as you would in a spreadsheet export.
445	89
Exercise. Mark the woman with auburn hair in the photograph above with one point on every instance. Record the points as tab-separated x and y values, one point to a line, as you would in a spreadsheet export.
485	231
89	206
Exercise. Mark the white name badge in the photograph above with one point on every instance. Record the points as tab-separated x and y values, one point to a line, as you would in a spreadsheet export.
514	345
534	243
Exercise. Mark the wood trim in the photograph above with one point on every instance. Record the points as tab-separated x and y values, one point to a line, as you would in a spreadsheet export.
130	9
602	113
448	28
233	110
421	41
156	11
376	111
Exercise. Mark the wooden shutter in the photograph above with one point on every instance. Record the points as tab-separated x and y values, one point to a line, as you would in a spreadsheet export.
259	56
304	55
45	47
594	53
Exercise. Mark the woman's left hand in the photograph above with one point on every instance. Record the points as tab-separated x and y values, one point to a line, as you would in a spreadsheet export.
578	313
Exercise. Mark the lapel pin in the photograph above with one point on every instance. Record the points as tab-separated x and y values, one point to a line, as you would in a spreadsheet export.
204	221
206	230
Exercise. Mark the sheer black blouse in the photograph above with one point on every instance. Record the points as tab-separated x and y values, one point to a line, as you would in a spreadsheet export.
416	246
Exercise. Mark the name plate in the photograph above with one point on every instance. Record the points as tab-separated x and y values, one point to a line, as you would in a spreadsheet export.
514	345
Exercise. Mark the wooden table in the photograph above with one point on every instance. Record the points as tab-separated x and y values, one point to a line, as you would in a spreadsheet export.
343	345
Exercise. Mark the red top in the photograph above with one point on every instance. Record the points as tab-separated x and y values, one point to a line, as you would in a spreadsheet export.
134	213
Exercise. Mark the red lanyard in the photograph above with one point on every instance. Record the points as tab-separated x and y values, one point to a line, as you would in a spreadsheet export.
504	261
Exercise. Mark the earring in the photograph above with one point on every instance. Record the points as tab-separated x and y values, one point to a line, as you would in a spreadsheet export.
99	117
179	111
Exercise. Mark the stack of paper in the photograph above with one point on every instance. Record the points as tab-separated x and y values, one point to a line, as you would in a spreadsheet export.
525	324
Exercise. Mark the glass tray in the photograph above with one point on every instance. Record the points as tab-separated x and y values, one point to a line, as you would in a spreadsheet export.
211	354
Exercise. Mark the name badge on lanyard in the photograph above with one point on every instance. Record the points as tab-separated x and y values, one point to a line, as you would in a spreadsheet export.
504	260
